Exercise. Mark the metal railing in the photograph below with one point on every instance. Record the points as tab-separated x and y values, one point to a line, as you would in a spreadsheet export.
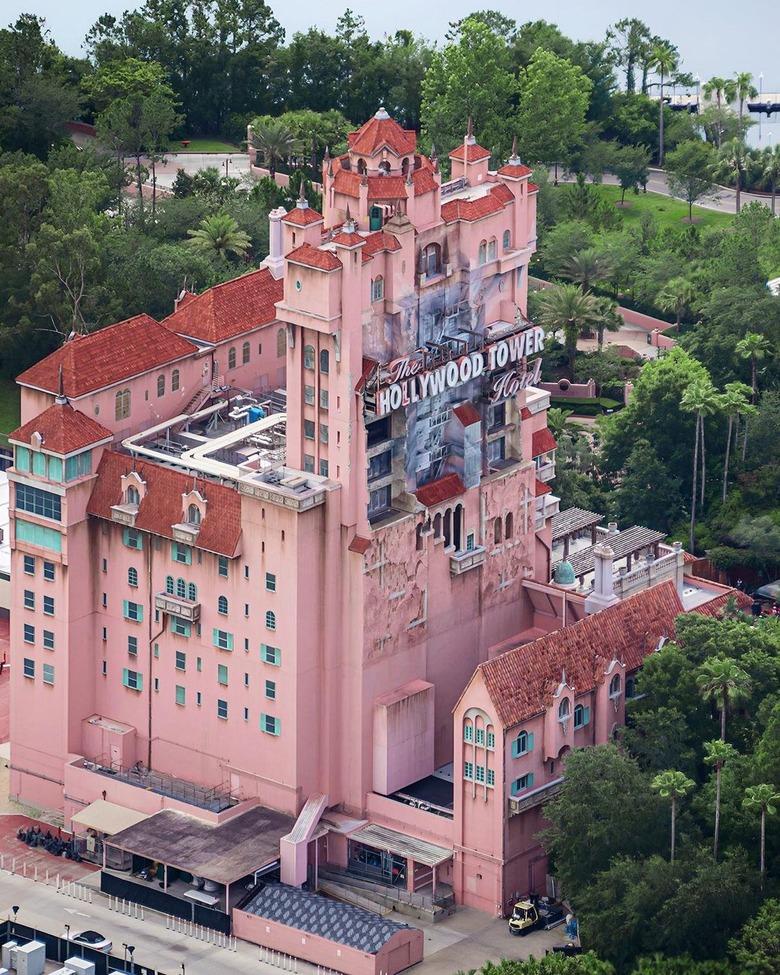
213	798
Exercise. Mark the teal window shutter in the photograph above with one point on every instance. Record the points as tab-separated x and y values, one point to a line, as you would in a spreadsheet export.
530	747
515	752
39	463
22	459
126	608
55	469
125	676
530	779
229	641
586	716
215	636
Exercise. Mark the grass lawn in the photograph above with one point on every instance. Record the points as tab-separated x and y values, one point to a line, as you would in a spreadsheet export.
9	408
668	212
204	145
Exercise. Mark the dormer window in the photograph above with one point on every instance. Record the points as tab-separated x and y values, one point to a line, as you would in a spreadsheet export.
193	515
384	168
615	687
132	496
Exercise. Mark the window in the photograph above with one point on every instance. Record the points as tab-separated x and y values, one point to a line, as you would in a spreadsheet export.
482	252
133	539
48	571
507	241
468	770
431	260
496	450
324	361
180	627
132	679
39	462
480	773
308	429
133	611
523	744
614	687
324	402
323	433
379	501
222	640
630	688
324	468
181	588
361	166
192	592
524	782
48	640
308	463
48	605
104	667
246	680
78	466
581	716
222	674
270	690
198	698
309	395
38	502
181	553
181	660
270	620
231	358
380	465
132	646
491	739
468	731
132	577
491	777
270	655
193	515
497	529
308	357
170	585
377	288
29	565
245	353
174	380
509	527
222	709
29	667
270	725
48	673
564	710
222	563
22	458
222	605
281	343
161	385
29	599
491	249
132	496
270	582
181	695
122	404
480	736
39	535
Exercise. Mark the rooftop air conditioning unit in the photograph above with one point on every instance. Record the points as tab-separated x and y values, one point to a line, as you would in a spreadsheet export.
8	954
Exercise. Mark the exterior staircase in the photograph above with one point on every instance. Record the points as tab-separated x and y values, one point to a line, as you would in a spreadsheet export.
383	899
200	396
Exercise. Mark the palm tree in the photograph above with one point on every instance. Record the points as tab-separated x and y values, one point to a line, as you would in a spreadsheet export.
609	319
733	161
724	91
275	140
567	308
557	421
743	89
734	403
716	754
699	398
587	266
722	680
761	798
219	234
755	348
770	170
672	785
676	296
663	59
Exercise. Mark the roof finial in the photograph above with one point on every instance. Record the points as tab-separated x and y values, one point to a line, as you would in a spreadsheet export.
327	152
61	397
470	130
302	201
514	147
349	223
381	113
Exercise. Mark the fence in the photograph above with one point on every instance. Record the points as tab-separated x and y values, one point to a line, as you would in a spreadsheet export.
164	903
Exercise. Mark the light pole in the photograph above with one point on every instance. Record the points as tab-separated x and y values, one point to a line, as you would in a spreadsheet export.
131	950
760	100
67	940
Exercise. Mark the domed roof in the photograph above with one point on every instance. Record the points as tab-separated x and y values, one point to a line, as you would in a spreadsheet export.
564	574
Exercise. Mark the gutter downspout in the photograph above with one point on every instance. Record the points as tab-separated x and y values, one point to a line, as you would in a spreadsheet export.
152	638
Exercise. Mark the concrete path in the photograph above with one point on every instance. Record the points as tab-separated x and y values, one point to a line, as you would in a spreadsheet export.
192	162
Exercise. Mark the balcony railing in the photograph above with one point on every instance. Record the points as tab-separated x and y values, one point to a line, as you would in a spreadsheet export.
461	562
175	606
214	798
546	471
536	797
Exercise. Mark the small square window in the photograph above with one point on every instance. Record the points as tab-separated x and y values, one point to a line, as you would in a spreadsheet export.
181	553
29	565
181	695
29	667
270	582
48	640
308	463
48	571
180	627
29	599
222	709
269	724
271	655
222	675
29	633
308	429
48	605
132	646
270	690
223	566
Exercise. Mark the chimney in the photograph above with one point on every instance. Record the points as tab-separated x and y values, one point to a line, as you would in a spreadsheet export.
603	594
275	260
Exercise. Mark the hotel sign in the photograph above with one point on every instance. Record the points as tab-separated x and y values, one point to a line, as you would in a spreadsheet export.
411	379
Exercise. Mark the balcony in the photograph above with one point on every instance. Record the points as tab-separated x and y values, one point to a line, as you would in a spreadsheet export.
124	514
546	506
534	797
174	606
545	470
461	562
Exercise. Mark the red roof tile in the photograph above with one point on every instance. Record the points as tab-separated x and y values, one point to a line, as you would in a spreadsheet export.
161	506
467	414
521	682
314	257
63	429
381	240
718	603
514	171
424	180
360	545
348	239
541	488
229	309
386	188
533	188
379	132
302	216
502	192
525	413
347	183
436	492
542	441
475	152
469	210
108	356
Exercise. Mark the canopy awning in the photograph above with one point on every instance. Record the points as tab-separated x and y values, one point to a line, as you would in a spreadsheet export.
108	817
382	838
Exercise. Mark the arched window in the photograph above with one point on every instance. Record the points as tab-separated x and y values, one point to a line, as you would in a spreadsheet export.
181	588
431	260
169	585
281	343
468	730
521	743
564	710
132	577
193	515
231	358
482	254
174	380
244	353
447	527
405	165
614	687
324	361
437	526
222	605
308	357
161	385
377	288
122	404
508	526
361	166
132	496
492	249
497	531
192	592
507	240
630	687
384	168
270	620
419	538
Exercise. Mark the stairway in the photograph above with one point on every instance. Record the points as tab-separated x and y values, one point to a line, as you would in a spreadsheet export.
382	899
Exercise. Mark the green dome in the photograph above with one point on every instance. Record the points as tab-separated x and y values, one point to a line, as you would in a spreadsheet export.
564	574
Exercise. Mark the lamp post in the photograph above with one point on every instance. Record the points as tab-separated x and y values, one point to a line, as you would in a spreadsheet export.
131	950
760	100
67	940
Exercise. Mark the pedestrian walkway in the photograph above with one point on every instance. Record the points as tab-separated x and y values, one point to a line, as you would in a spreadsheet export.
35	862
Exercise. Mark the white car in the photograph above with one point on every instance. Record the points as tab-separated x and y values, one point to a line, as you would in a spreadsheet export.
90	939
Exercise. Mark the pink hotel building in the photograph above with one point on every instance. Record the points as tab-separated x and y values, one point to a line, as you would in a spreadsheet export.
266	547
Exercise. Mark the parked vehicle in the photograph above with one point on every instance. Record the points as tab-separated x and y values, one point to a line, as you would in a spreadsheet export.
532	914
90	939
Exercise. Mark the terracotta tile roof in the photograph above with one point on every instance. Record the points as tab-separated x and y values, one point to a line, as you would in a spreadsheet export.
502	192
346	183
525	413
348	239
381	240
386	188
360	545
229	309
436	492
314	257
542	441
102	358
185	297
161	507
624	351
541	488
475	152
302	216
716	605
424	181
521	682
63	429
378	132
514	171
467	414
688	558
469	210
533	188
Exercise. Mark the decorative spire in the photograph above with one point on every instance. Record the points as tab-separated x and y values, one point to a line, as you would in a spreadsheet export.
327	152
303	203
470	131
61	397
514	159
330	167
349	223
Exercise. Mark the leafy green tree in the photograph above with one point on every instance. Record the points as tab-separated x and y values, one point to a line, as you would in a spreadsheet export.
631	166
676	296
598	158
554	95
220	235
275	140
680	965
754	348
716	754
567	309
756	950
629	39
734	161
734	403
647	494
608	319
724	682
762	799
723	91
689	170
700	399
672	785
743	90
557	420
586	267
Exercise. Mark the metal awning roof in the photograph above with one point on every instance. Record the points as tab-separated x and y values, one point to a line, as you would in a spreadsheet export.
382	838
622	544
108	817
573	520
